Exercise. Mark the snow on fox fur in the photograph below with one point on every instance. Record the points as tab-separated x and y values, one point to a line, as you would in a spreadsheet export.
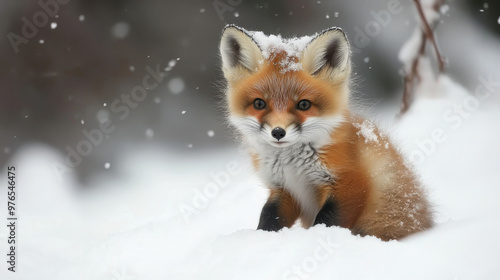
289	101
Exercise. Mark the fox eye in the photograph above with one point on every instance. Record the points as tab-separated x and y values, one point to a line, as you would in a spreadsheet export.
304	105
259	104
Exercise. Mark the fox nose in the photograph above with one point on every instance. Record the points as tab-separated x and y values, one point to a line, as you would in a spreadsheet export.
278	133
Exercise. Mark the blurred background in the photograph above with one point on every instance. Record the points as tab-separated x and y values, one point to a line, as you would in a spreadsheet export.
141	195
65	78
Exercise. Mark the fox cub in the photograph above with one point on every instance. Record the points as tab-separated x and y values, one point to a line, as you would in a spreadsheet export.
289	101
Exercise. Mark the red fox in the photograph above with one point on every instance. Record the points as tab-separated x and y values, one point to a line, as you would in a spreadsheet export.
289	101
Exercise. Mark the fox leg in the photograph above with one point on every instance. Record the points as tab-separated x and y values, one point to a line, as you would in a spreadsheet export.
280	211
329	213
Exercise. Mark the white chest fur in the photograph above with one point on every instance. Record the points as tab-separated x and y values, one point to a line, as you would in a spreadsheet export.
299	170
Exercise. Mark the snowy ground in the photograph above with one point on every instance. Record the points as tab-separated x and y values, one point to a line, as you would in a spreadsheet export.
153	219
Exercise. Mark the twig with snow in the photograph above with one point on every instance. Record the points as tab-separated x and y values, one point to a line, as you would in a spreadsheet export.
410	54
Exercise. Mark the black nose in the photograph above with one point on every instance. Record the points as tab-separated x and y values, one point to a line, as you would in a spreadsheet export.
278	133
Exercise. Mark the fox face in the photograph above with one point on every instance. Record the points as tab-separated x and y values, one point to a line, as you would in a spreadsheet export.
279	96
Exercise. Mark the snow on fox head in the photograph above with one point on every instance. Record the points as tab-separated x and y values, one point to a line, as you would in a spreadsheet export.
286	91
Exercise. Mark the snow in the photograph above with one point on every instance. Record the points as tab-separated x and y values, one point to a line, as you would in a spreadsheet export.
430	13
165	213
176	85
410	49
102	115
120	30
81	17
150	133
293	47
169	215
367	130
53	25
444	9
171	64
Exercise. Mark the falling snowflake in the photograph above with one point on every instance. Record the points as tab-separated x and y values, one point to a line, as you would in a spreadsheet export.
176	85
120	30
150	133
171	64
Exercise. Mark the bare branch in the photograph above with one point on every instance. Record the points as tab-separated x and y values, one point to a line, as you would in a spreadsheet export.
412	74
429	32
410	78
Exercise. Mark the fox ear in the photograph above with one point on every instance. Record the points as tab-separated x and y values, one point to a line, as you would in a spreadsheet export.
240	54
327	55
